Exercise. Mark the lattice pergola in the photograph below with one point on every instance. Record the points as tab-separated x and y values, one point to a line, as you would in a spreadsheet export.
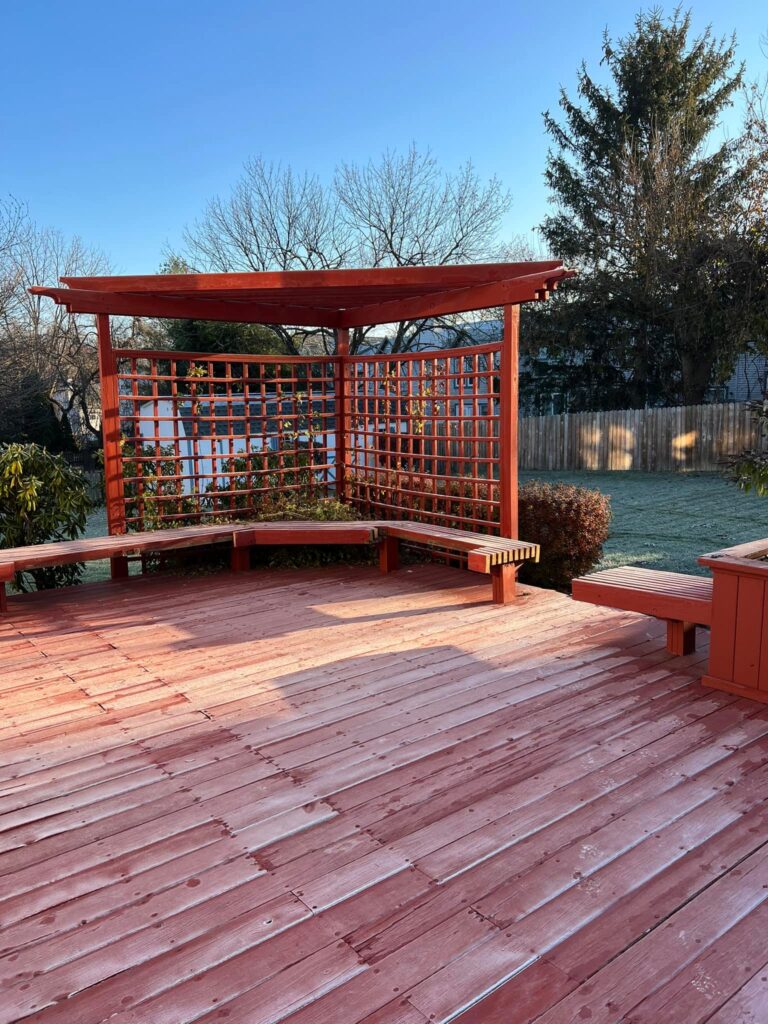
433	435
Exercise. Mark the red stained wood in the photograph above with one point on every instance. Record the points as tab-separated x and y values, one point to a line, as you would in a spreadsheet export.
213	791
504	583
664	595
508	411
725	598
748	1005
305	533
334	298
110	409
681	638
749	627
389	554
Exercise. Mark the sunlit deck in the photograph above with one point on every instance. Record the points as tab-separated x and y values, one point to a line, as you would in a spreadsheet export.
333	796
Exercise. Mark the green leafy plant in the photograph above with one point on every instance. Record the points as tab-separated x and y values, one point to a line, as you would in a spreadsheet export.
749	469
152	489
42	498
300	506
570	523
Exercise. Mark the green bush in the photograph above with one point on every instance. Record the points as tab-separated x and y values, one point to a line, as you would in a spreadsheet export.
42	498
299	506
571	525
749	469
303	507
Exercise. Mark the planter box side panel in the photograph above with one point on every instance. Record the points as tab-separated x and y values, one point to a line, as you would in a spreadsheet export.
738	661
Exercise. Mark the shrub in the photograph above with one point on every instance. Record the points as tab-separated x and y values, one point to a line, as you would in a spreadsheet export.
749	469
42	498
571	525
301	507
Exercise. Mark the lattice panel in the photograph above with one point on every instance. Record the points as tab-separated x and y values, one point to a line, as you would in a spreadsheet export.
205	437
423	436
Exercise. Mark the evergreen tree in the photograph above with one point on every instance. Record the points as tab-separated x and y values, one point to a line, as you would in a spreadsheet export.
660	221
216	336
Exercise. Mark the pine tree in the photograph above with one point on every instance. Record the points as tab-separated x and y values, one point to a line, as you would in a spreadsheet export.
660	219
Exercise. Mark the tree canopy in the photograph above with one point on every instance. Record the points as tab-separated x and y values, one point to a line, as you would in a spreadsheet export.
665	222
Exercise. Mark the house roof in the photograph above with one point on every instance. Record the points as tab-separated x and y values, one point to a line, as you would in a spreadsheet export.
314	298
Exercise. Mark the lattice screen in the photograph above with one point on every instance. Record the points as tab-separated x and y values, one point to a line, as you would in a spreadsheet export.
206	437
423	436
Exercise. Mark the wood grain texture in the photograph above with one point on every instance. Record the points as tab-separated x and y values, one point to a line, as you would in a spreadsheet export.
335	795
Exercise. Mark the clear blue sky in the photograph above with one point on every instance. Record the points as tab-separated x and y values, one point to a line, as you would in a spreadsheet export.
119	121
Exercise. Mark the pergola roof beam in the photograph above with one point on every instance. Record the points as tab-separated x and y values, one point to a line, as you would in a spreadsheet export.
181	308
438	278
459	300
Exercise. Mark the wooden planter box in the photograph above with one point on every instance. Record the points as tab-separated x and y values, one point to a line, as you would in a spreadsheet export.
738	653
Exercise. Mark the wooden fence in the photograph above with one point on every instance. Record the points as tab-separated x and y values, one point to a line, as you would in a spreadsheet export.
694	437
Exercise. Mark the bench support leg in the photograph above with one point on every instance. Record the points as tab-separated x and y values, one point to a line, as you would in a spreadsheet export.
504	583
3	598
119	567
240	560
389	554
681	637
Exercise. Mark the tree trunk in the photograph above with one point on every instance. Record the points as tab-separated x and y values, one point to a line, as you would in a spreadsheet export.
696	370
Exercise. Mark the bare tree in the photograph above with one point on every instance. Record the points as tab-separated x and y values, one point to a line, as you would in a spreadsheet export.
43	349
14	229
402	210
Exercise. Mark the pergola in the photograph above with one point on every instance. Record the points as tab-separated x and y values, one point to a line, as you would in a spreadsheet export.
340	300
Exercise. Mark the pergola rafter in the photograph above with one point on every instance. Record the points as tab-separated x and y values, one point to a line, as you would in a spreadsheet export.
308	298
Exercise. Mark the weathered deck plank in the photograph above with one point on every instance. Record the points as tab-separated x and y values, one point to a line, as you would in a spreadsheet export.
335	795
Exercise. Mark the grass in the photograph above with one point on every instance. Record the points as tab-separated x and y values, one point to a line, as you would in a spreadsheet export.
660	520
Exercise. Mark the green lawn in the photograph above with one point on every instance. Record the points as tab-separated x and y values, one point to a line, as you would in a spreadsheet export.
666	520
661	520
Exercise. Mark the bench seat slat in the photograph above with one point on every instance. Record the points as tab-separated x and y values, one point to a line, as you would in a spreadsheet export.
662	595
496	556
305	533
483	551
36	556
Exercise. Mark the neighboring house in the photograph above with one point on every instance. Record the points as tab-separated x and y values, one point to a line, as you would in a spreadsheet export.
748	382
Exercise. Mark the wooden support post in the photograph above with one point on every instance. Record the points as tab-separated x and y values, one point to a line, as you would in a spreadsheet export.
389	554
681	637
119	567
110	427
240	560
504	583
342	412
508	411
3	598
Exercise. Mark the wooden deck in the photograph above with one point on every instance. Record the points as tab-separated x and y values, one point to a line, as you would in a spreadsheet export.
336	797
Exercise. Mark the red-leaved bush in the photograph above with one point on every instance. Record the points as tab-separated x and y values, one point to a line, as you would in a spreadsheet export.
571	525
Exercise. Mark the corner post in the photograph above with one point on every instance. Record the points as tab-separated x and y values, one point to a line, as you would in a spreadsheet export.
110	427
342	412
508	412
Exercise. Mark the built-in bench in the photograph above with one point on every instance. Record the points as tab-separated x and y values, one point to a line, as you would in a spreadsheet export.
494	556
683	601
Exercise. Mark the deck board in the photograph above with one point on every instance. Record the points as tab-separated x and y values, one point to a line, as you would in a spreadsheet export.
321	795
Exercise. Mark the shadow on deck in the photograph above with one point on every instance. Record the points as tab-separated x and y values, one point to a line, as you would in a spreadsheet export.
328	795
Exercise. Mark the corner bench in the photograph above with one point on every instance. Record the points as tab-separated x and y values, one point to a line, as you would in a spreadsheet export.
495	556
684	601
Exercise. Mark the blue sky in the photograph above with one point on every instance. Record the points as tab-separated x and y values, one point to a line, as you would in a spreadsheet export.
118	121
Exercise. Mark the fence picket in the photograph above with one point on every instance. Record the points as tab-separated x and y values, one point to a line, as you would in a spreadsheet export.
682	438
